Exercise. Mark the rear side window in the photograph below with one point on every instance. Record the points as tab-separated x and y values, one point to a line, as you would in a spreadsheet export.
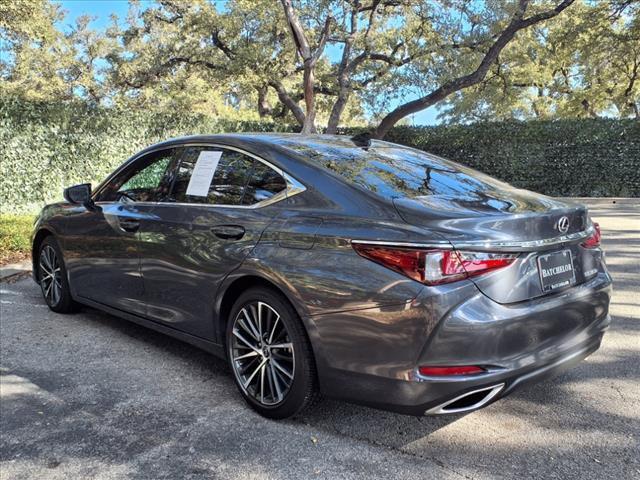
393	171
219	176
264	183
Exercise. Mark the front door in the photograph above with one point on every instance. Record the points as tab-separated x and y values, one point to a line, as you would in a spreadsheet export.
220	203
102	246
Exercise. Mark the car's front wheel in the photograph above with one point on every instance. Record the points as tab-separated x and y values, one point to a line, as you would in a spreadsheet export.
52	275
269	354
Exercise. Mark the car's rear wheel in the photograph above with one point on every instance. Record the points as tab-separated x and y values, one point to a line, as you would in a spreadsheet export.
269	354
52	275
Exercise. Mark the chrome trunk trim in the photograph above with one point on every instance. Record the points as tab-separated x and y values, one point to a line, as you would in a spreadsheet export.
490	245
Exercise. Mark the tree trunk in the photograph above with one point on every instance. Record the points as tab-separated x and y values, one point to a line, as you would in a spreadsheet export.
308	79
264	107
309	58
344	73
588	108
337	110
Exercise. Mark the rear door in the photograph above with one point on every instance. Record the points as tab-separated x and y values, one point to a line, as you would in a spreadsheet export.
220	202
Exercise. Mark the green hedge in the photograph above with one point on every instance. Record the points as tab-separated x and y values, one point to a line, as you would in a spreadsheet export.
45	147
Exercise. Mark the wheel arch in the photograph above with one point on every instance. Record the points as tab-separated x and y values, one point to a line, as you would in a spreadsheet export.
38	238
240	282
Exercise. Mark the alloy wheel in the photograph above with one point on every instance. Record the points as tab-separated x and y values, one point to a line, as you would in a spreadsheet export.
50	275
262	353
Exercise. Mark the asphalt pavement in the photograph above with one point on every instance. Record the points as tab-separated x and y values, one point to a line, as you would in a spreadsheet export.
92	396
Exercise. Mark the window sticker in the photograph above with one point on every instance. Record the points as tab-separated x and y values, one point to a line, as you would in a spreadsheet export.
203	172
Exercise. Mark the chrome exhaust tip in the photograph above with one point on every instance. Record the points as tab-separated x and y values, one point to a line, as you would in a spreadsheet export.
467	401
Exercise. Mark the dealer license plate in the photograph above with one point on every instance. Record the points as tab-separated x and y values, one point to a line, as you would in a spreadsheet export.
556	270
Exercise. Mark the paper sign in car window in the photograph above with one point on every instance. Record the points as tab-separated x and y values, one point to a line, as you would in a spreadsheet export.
203	172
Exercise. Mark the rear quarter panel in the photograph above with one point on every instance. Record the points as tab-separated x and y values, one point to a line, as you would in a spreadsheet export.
361	317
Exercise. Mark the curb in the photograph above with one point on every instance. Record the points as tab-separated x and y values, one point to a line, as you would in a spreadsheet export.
606	201
12	270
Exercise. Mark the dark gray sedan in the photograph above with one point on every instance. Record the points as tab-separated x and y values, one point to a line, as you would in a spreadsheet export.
364	270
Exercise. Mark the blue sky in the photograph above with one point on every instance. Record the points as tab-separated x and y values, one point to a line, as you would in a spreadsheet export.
102	9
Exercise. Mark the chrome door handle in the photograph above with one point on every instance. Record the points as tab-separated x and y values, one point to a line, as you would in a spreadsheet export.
128	224
228	232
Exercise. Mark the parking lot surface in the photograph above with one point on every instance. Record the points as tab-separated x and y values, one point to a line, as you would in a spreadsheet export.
92	396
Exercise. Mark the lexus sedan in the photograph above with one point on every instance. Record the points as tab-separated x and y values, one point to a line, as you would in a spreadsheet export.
356	268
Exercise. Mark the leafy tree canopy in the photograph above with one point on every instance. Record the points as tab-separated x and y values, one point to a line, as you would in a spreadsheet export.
334	62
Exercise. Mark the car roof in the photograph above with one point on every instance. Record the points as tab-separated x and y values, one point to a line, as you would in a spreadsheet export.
286	140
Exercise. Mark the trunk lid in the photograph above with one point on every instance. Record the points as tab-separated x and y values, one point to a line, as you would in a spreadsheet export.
506	217
508	221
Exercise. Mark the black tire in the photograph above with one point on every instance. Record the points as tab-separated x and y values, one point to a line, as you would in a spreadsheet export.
263	393
56	291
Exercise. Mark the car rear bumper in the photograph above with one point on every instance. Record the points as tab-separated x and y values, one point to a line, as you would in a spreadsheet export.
517	344
428	397
506	382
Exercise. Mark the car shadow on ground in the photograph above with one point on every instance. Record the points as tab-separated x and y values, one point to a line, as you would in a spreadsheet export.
396	430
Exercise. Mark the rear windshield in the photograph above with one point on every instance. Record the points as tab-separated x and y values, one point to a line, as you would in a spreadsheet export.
393	171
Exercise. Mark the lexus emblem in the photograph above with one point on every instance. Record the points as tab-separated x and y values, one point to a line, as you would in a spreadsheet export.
563	224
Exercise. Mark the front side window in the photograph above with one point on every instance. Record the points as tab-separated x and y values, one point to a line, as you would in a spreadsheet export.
219	176
145	180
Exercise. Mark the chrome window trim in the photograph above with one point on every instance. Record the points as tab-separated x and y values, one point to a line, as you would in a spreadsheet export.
490	245
294	186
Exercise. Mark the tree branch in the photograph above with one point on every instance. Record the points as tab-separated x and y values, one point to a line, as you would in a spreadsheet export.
149	76
289	102
374	5
632	78
323	39
299	38
218	43
517	23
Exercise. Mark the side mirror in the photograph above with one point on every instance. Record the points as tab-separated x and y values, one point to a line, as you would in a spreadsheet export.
80	195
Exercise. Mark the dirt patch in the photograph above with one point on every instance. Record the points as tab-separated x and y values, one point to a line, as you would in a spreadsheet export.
14	257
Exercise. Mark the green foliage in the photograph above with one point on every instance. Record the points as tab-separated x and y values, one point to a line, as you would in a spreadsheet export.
148	177
38	61
237	59
15	236
584	63
45	147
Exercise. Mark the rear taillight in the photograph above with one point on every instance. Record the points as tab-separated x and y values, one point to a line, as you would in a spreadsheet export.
594	240
405	261
434	267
